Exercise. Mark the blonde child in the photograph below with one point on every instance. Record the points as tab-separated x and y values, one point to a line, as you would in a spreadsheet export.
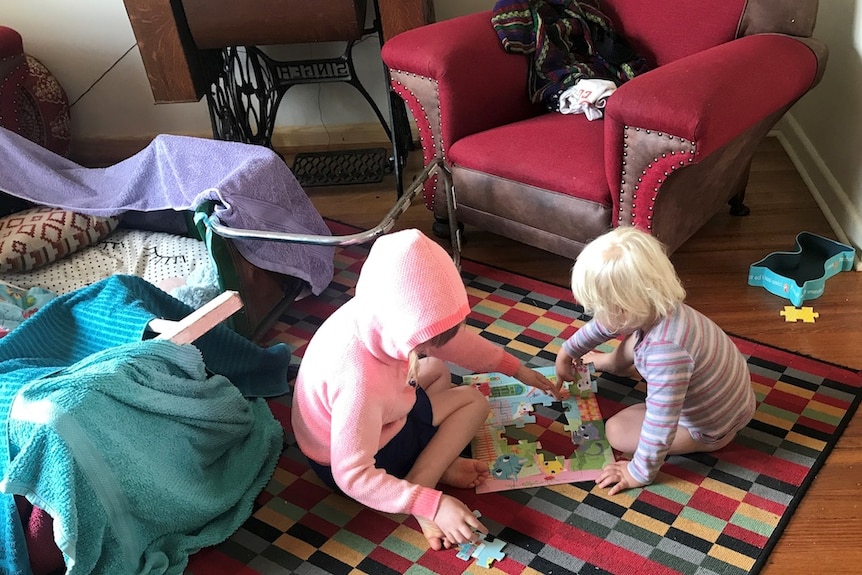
699	392
374	407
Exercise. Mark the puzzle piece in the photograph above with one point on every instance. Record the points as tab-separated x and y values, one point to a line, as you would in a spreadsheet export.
484	551
525	416
489	551
465	551
806	314
551	467
573	416
585	381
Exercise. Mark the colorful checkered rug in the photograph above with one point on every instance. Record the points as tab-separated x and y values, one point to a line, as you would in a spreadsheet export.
706	513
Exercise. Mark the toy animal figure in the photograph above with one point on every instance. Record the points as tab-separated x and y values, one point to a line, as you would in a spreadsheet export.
507	467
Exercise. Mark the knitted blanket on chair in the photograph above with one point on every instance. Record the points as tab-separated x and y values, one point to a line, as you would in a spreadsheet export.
568	40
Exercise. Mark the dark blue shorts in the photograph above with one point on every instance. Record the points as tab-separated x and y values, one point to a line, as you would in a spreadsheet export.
398	456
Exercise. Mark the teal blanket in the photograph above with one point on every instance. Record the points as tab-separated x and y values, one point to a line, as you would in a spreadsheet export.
141	451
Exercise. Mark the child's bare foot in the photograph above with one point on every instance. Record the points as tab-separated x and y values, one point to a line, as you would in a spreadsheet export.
464	473
435	537
611	363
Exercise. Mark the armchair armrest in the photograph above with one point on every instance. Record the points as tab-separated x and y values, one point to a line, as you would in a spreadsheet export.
457	80
456	73
713	96
679	137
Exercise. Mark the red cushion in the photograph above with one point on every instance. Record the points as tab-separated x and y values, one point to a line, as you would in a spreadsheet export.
12	76
533	151
32	102
665	30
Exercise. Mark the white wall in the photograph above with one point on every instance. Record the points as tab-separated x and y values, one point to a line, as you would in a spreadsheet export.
823	132
93	54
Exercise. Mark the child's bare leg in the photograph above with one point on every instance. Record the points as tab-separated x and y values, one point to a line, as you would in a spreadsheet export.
684	443
434	378
623	430
458	414
620	361
623	433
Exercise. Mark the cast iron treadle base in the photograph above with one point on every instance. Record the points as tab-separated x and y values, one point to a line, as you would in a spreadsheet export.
342	167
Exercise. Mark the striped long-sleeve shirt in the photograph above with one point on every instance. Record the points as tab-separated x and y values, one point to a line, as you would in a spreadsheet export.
696	378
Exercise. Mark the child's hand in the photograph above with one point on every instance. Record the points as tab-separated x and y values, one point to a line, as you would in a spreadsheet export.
617	475
565	366
535	379
457	523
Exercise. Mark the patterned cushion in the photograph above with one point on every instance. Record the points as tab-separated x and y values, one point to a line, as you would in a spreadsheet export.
37	236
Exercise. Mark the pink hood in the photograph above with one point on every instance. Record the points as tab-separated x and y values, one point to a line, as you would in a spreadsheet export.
409	291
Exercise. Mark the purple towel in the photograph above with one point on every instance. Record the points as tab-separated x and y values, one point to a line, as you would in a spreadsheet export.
253	186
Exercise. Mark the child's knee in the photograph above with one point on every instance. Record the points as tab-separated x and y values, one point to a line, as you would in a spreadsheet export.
476	400
613	433
621	434
433	371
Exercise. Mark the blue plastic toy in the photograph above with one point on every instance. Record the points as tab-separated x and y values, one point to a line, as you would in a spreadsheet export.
802	275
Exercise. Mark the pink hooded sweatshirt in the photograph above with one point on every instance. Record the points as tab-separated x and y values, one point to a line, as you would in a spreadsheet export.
351	394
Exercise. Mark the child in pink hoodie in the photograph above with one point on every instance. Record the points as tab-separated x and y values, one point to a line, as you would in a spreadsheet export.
374	407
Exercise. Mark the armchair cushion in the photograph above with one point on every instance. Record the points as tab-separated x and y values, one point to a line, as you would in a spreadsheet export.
532	152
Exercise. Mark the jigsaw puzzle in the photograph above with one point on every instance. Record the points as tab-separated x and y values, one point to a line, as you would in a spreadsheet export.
531	440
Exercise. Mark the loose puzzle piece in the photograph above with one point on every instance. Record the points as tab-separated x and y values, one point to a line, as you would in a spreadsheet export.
484	551
489	551
806	314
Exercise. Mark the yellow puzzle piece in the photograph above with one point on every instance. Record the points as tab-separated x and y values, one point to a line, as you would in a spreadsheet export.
806	314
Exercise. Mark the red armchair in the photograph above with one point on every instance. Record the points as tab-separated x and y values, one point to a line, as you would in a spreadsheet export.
674	146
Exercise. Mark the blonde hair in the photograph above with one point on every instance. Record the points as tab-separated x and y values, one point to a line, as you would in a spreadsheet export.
437	341
625	279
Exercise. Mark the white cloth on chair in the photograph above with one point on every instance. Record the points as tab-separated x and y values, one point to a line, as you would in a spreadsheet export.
588	97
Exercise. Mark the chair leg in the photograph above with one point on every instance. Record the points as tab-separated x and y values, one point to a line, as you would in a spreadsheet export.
442	229
737	205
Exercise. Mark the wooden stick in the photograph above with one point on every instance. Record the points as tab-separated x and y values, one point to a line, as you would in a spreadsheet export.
200	321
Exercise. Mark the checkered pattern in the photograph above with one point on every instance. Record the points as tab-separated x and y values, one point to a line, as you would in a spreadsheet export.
706	513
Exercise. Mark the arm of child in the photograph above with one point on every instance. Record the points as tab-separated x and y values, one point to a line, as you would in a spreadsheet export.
590	335
475	353
565	366
667	369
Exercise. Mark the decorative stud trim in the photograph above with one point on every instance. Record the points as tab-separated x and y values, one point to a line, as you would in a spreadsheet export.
655	170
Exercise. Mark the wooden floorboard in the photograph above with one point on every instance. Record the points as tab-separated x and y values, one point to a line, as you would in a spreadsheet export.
824	533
